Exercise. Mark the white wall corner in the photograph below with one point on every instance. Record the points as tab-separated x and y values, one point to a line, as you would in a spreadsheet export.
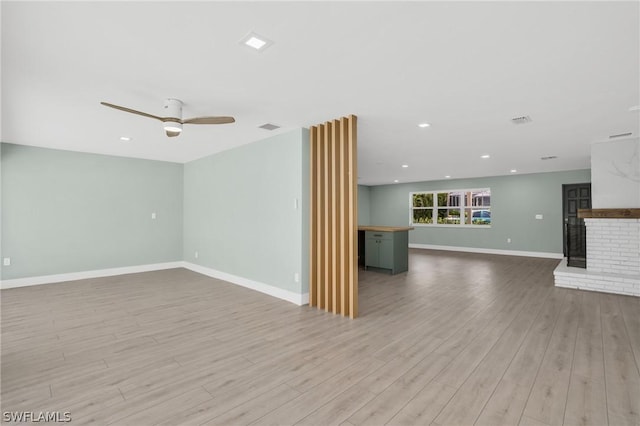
290	296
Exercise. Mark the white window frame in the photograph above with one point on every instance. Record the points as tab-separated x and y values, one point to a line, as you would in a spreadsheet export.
462	208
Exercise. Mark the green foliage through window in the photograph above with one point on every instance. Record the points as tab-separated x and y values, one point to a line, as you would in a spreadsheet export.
454	207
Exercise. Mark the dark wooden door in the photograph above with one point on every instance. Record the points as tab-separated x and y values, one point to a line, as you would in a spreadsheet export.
574	196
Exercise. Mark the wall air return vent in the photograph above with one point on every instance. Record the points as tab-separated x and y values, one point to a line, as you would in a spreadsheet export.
620	135
521	120
269	126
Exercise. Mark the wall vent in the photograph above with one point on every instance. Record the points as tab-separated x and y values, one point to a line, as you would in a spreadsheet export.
549	157
269	126
521	120
620	135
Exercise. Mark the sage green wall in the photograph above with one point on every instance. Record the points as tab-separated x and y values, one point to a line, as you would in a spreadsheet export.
515	200
306	214
67	211
240	214
364	205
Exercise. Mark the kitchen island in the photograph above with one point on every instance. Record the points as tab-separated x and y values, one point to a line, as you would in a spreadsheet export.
384	247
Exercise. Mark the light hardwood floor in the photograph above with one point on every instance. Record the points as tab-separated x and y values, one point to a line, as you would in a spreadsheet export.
460	339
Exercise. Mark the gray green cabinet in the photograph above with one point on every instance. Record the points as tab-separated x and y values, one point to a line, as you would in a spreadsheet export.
387	250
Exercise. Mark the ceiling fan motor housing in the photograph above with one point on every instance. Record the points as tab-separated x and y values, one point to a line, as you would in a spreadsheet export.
173	109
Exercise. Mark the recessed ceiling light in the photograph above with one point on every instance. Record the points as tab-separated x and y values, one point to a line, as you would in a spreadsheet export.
404	166
514	171
447	177
423	125
256	41
125	138
485	156
396	181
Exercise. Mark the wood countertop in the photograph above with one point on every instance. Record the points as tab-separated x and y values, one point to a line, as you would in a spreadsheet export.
385	228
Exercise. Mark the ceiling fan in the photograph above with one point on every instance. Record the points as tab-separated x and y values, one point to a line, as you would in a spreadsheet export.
172	122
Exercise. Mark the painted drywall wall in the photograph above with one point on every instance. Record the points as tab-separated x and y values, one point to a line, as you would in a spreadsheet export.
364	205
306	213
68	212
615	170
515	200
245	211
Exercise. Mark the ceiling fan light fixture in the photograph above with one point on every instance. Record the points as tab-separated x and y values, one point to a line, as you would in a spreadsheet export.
172	126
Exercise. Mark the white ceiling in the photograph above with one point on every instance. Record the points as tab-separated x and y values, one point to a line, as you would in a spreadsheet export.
465	67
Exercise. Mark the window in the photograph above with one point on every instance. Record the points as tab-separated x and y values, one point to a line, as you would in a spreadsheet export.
453	207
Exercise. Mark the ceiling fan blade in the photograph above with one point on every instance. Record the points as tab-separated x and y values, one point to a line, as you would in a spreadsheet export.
132	111
172	134
209	120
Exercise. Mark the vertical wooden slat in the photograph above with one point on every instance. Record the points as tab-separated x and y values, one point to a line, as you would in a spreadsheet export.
353	217
328	209
320	228
344	221
313	217
336	195
326	268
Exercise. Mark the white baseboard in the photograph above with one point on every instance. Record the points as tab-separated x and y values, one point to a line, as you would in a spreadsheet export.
289	296
72	276
489	251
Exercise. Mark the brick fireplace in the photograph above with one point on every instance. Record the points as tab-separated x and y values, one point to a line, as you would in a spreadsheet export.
613	254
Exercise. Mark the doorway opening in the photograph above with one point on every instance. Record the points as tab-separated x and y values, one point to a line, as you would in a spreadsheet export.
575	196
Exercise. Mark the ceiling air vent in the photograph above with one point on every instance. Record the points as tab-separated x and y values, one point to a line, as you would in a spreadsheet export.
549	157
620	135
521	120
269	126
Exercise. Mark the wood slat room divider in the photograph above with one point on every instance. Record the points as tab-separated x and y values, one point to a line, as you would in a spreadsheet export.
333	281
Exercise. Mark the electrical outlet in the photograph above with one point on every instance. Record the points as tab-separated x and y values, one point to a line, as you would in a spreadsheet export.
153	215
539	216
195	255
296	277
509	240
6	261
